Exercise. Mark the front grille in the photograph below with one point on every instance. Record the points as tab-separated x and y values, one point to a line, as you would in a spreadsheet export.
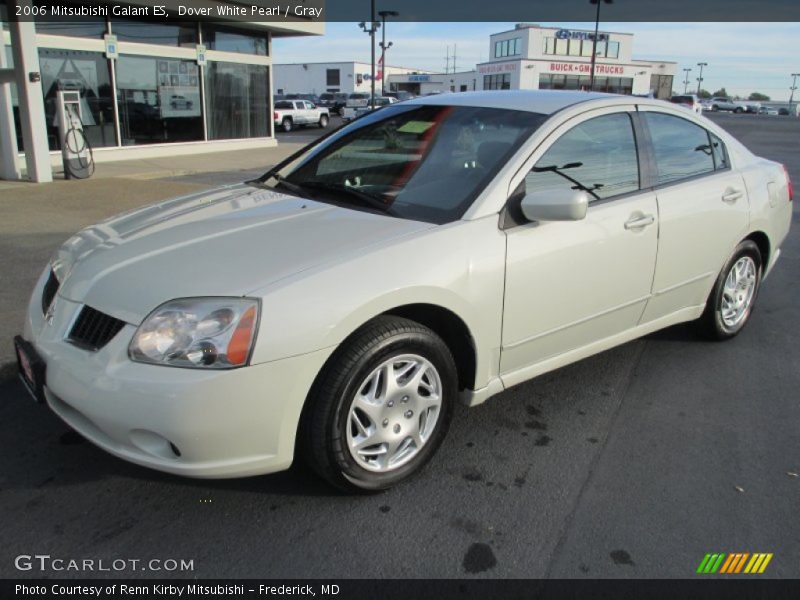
93	329
49	292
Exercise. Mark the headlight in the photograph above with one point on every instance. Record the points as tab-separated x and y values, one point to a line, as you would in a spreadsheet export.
204	333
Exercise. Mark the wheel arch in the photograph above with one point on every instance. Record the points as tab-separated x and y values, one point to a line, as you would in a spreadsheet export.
761	240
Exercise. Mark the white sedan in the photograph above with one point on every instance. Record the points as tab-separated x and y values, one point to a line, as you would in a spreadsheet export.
445	248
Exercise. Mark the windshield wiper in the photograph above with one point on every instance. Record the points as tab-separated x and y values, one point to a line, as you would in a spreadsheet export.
351	192
292	187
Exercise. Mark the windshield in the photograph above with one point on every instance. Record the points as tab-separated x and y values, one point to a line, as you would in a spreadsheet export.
418	162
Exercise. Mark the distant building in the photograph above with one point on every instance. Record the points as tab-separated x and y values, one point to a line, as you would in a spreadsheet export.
533	57
432	83
319	77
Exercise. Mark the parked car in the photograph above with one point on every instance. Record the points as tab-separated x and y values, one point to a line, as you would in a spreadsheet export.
333	101
718	103
353	113
180	103
356	100
749	106
690	101
768	110
400	96
289	114
438	250
783	111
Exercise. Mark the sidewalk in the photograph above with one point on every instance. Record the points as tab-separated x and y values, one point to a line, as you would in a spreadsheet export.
36	218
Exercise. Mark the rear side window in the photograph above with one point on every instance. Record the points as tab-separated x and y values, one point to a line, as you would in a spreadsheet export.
597	156
682	149
283	105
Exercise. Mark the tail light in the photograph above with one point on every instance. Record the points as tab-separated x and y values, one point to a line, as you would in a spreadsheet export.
274	116
789	183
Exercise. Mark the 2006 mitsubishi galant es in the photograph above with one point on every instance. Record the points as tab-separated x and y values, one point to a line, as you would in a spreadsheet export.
442	248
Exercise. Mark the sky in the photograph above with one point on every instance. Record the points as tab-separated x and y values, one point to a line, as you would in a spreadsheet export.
742	57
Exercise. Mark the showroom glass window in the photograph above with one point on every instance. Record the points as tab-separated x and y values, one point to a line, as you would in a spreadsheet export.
226	39
159	100
682	149
163	34
88	73
237	100
598	156
501	81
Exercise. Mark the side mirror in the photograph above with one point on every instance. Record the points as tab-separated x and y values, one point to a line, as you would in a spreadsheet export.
555	205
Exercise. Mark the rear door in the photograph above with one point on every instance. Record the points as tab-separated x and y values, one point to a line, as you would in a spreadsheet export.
703	211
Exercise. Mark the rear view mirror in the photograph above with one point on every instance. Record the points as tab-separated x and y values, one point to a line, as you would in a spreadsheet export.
555	205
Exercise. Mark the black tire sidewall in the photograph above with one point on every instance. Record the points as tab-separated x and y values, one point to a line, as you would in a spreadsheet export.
722	331
323	121
286	125
427	345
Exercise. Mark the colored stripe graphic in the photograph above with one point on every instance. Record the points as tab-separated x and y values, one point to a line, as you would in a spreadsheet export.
703	563
734	563
765	563
727	564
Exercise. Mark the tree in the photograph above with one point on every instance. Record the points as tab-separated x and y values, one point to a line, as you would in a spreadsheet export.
758	96
703	94
721	92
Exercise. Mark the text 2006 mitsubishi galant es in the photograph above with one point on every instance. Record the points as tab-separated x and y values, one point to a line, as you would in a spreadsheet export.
442	248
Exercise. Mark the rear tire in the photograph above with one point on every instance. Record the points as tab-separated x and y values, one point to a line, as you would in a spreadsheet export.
734	295
738	110
287	125
381	407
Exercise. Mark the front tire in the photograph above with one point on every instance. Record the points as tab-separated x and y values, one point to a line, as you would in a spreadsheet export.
381	407
323	121
731	302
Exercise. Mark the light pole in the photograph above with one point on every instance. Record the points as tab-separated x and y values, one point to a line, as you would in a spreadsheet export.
594	41
373	26
686	80
385	46
700	79
793	88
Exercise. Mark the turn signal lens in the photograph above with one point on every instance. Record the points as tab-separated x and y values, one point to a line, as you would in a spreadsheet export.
242	338
789	183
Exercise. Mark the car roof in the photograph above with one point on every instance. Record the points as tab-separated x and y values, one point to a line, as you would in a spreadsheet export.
539	101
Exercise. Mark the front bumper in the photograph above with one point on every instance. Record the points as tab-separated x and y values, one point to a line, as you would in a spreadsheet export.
190	422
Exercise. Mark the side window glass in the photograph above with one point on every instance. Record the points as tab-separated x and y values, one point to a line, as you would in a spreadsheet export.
597	156
719	152
682	149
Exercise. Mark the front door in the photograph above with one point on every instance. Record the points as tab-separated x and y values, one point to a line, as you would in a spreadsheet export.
569	284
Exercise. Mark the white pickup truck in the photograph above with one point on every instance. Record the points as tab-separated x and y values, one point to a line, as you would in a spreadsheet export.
289	114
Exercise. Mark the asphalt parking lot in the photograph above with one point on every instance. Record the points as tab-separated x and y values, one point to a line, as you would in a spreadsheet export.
634	463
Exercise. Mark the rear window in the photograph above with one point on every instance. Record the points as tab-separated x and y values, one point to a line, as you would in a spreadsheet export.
283	105
682	100
682	148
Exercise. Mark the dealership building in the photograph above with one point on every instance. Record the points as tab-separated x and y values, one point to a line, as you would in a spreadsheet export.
347	77
147	88
531	57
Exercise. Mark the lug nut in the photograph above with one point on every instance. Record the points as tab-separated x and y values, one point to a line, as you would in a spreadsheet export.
408	414
390	404
405	398
397	428
386	422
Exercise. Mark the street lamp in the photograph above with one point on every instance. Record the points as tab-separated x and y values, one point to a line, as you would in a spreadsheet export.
594	42
686	80
373	27
793	88
384	46
700	79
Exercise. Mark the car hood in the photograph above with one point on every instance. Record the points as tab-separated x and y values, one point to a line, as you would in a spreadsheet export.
226	242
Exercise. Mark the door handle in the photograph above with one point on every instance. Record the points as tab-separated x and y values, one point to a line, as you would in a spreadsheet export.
640	222
731	195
